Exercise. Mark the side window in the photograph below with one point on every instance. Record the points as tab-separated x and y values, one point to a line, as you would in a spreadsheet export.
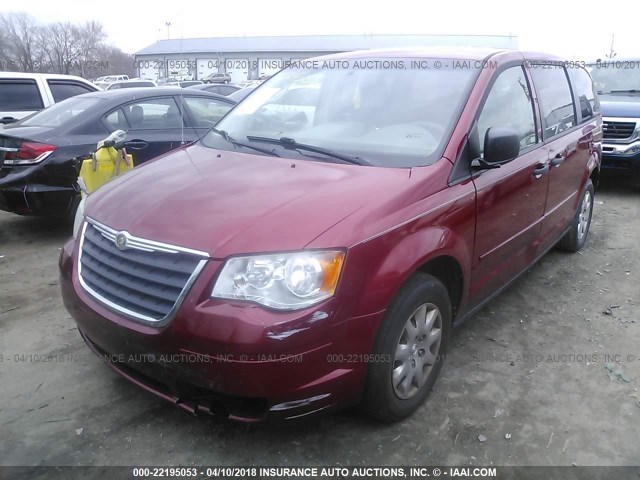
19	95
509	104
153	114
63	90
556	103
206	112
584	93
116	120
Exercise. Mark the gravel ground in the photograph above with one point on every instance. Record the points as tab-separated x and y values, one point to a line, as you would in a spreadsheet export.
526	381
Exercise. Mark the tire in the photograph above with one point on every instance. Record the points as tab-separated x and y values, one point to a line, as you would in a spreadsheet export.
576	237
391	399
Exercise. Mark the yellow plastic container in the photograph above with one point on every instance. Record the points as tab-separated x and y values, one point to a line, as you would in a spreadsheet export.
105	164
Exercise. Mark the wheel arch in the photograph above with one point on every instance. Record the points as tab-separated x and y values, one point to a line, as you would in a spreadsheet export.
448	270
441	252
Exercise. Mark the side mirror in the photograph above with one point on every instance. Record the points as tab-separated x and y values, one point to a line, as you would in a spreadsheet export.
501	145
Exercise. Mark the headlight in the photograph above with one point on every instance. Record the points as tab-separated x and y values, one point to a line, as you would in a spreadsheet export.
77	221
286	281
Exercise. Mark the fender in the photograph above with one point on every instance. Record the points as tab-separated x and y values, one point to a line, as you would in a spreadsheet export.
383	264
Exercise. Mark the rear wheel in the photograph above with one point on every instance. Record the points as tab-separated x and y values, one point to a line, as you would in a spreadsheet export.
576	237
411	342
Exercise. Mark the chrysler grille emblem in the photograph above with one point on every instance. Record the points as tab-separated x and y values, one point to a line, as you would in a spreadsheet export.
121	241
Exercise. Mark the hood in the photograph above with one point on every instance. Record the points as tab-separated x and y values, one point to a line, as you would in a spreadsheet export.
228	203
626	105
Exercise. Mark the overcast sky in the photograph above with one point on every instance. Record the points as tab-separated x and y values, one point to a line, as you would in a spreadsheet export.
579	31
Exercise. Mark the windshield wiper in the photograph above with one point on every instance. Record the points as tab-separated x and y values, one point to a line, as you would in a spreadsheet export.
233	141
293	144
632	90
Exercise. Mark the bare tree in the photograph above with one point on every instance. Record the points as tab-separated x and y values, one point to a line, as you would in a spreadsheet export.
22	36
60	47
89	37
60	41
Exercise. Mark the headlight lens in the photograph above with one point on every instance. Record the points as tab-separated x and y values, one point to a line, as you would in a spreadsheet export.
287	281
77	221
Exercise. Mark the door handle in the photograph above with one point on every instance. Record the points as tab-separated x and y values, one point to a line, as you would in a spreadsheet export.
7	120
136	144
558	159
540	170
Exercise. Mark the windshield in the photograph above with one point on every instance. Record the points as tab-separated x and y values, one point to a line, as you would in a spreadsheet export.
614	76
392	116
59	113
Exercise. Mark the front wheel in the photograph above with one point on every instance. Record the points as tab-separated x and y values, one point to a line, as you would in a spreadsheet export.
576	237
413	337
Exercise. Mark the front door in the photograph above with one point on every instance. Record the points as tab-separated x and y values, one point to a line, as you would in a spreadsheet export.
510	199
156	126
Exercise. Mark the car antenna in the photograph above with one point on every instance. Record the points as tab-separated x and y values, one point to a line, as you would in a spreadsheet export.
181	96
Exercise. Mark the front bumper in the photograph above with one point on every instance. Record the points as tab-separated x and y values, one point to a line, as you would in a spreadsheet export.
623	158
238	361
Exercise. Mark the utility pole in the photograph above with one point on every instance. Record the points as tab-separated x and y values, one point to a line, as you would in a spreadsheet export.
168	24
612	53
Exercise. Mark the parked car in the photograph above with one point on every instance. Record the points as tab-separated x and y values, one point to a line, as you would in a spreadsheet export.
165	80
182	83
102	85
249	83
115	78
217	78
131	84
190	83
217	88
293	266
618	84
40	156
22	94
239	95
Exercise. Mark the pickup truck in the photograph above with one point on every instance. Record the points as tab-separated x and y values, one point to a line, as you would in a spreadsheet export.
22	94
618	85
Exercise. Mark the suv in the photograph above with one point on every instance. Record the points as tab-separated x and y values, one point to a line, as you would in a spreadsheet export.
618	84
312	255
217	78
22	94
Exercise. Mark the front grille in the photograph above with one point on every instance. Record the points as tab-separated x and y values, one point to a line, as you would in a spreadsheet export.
145	280
618	130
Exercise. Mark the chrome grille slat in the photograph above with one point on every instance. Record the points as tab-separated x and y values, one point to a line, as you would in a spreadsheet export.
146	288
139	257
618	130
124	269
147	309
144	279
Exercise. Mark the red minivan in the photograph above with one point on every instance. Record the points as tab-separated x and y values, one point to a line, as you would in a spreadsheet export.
316	247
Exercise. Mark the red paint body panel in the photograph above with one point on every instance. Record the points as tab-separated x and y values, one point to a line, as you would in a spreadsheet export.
390	222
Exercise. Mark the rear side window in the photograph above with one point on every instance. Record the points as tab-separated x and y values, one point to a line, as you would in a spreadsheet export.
20	95
584	92
68	112
152	114
509	105
116	121
556	103
63	90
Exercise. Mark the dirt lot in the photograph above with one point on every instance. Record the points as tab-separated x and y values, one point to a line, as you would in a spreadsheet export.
528	373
